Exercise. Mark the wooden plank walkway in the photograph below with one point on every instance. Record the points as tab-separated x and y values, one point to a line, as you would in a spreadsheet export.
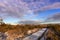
35	36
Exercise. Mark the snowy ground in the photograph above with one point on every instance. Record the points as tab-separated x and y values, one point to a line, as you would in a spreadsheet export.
34	36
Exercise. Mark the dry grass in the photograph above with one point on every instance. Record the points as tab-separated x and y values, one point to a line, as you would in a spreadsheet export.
24	29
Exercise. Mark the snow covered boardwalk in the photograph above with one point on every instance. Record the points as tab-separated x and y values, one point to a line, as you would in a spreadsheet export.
36	35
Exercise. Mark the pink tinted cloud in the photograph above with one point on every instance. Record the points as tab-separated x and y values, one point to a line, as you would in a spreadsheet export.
14	8
53	6
49	7
18	8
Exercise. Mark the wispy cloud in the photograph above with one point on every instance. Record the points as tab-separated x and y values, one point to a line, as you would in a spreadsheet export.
48	7
53	6
55	17
42	5
14	8
20	8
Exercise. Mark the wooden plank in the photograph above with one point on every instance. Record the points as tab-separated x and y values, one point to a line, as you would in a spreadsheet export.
34	36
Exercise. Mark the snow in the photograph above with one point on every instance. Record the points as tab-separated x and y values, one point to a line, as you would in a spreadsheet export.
35	36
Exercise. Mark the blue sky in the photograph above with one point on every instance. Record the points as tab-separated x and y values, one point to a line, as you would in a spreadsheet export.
41	10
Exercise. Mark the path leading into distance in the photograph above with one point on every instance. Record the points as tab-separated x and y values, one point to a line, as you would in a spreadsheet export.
35	36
